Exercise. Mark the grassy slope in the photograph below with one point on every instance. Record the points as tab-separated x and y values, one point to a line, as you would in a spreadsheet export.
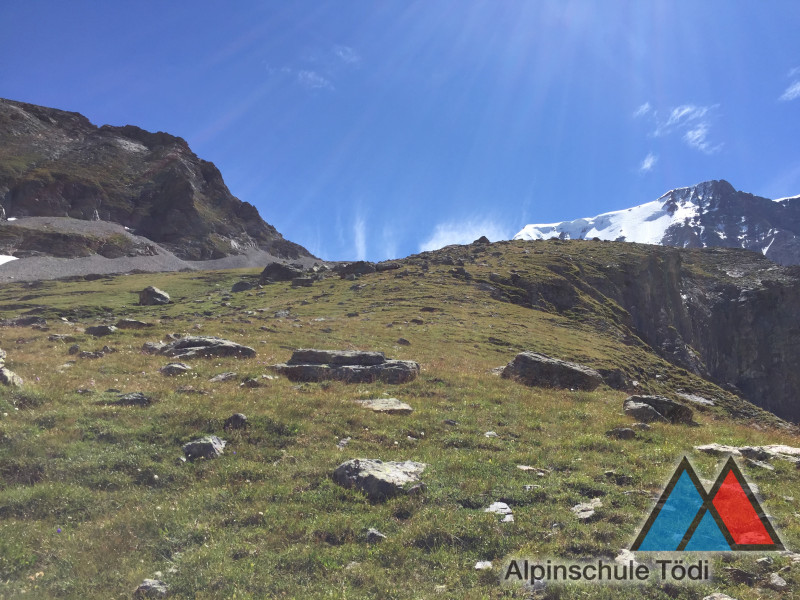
265	520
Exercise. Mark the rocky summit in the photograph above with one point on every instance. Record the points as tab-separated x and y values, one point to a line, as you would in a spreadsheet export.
55	163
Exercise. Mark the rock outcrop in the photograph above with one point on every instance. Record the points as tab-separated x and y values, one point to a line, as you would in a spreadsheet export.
197	346
348	366
536	369
377	479
209	446
55	163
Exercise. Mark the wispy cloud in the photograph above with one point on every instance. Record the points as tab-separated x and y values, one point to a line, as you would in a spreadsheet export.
463	232
360	237
792	92
642	110
648	163
347	54
313	80
690	121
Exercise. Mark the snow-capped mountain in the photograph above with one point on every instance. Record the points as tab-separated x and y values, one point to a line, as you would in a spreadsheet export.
711	213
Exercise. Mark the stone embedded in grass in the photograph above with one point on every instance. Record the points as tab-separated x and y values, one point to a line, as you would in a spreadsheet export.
621	433
664	409
151	588
483	565
61	337
250	382
697	399
586	510
618	478
132	324
374	536
538	471
197	346
391	406
502	509
152	296
718	596
491	434
378	479
223	377
101	330
132	399
539	370
755	453
242	286
348	366
209	446
776	582
9	378
177	368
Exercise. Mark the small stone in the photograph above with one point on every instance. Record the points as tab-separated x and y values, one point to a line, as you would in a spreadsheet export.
250	382
586	510
624	557
621	433
530	488
618	478
391	406
74	349
641	426
380	480
101	330
132	324
403	342
374	536
765	561
151	588
209	446
490	434
9	378
450	422
503	509
777	583
223	377
133	399
342	443
175	369
483	565
718	596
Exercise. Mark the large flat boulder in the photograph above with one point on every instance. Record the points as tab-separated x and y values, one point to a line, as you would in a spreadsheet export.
199	346
279	272
539	370
348	366
377	479
670	410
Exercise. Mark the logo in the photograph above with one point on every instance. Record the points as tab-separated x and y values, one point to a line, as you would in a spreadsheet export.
687	518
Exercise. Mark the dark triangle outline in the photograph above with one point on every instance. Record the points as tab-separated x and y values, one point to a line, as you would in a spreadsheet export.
708	506
731	466
686	466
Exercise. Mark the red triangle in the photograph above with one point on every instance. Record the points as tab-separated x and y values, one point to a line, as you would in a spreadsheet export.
739	514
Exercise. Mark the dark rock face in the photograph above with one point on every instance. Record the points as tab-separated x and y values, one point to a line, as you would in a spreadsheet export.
377	479
242	286
152	296
196	346
73	168
280	272
668	409
347	366
535	369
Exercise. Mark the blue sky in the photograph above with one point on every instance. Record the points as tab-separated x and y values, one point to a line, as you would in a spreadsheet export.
377	129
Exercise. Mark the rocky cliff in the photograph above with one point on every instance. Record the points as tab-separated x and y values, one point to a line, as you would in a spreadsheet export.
55	163
728	315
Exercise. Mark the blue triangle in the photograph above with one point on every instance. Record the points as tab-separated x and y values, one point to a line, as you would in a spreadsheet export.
708	537
675	517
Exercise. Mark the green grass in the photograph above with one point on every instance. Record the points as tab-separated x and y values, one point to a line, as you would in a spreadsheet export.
93	499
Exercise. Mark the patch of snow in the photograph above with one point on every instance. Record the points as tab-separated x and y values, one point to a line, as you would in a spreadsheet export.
11	219
4	258
766	248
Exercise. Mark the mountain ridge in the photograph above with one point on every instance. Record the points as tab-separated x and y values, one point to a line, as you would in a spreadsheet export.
55	163
708	214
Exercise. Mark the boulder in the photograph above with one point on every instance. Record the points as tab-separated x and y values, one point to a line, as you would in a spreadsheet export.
151	588
132	324
348	366
391	406
536	369
198	346
176	368
377	479
152	296
9	378
670	410
280	272
360	267
387	266
101	330
242	286
642	412
209	446
621	433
